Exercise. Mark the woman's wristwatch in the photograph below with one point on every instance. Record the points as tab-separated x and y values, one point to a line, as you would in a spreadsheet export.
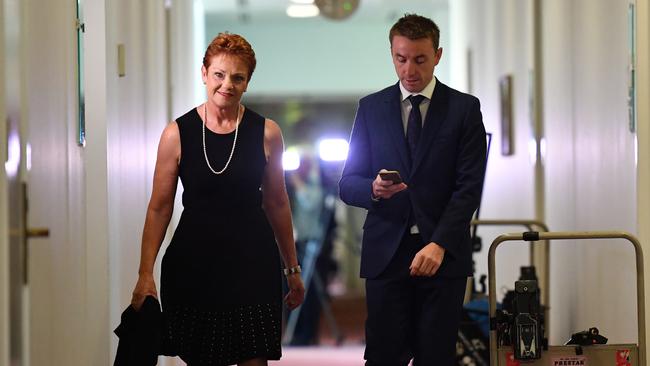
292	270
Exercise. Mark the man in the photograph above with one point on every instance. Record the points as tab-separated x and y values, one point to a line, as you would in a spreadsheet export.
416	252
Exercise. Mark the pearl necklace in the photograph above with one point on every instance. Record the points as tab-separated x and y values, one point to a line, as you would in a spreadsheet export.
234	142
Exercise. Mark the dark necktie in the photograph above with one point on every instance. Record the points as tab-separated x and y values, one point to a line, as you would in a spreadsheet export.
414	125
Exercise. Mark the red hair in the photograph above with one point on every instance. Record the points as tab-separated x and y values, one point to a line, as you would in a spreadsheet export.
234	45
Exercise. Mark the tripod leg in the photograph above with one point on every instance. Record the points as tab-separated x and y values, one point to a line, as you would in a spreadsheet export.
327	310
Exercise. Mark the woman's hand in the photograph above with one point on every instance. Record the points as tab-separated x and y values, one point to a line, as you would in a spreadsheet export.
296	294
145	286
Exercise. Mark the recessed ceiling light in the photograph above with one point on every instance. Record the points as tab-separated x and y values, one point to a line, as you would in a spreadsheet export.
302	11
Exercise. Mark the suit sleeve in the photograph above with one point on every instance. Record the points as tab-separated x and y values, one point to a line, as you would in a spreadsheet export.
355	186
470	172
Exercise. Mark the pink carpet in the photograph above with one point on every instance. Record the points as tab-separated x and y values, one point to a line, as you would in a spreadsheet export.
321	356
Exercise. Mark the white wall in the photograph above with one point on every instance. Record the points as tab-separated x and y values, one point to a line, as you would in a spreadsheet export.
96	178
484	27
590	159
561	163
591	170
188	46
136	114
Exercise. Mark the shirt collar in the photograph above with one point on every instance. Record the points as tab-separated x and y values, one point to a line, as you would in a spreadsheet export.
427	92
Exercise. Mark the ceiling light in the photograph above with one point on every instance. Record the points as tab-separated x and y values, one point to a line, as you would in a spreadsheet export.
302	1
302	11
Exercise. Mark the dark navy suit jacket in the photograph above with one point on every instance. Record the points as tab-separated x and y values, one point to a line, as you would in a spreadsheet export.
444	180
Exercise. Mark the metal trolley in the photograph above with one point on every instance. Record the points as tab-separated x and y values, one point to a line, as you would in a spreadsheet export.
596	354
543	262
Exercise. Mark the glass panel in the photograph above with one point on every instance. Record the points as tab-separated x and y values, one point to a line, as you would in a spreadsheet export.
81	136
631	98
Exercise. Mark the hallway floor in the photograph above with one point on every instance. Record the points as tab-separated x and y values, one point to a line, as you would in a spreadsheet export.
350	314
321	356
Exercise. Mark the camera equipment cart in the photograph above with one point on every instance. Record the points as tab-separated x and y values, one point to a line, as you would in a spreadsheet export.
595	355
472	346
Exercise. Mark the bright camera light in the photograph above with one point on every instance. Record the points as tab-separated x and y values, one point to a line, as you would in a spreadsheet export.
333	149
290	160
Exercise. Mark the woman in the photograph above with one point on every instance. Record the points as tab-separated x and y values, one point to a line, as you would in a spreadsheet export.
221	279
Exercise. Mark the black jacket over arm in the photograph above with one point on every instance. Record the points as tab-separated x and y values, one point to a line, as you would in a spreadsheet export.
141	335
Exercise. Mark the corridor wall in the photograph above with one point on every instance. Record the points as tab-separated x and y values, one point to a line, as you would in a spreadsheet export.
588	151
491	40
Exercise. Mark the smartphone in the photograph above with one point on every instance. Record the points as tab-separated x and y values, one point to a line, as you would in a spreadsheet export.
392	175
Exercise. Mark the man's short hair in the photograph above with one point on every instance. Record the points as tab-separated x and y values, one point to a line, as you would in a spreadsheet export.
413	27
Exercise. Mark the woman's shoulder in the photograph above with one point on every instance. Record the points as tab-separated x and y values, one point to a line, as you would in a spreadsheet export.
170	137
254	116
258	123
185	124
272	131
192	114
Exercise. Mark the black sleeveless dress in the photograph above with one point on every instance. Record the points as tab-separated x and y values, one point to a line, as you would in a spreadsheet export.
221	286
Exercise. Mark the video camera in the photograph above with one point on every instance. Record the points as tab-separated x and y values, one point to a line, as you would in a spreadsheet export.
587	338
520	322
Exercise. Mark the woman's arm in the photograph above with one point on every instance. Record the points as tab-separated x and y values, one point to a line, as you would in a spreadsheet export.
277	208
159	211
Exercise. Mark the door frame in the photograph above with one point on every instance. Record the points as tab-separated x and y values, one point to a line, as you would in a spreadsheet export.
4	219
95	168
642	34
12	115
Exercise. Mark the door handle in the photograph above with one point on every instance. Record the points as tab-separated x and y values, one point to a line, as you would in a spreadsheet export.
37	232
29	233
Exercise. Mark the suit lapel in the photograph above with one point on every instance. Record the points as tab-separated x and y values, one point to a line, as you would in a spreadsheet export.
436	115
395	126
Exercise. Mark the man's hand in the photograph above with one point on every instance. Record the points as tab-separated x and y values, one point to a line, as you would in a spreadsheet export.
428	260
385	188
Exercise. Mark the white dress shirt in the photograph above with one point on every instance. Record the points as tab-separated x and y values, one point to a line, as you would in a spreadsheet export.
427	92
405	105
